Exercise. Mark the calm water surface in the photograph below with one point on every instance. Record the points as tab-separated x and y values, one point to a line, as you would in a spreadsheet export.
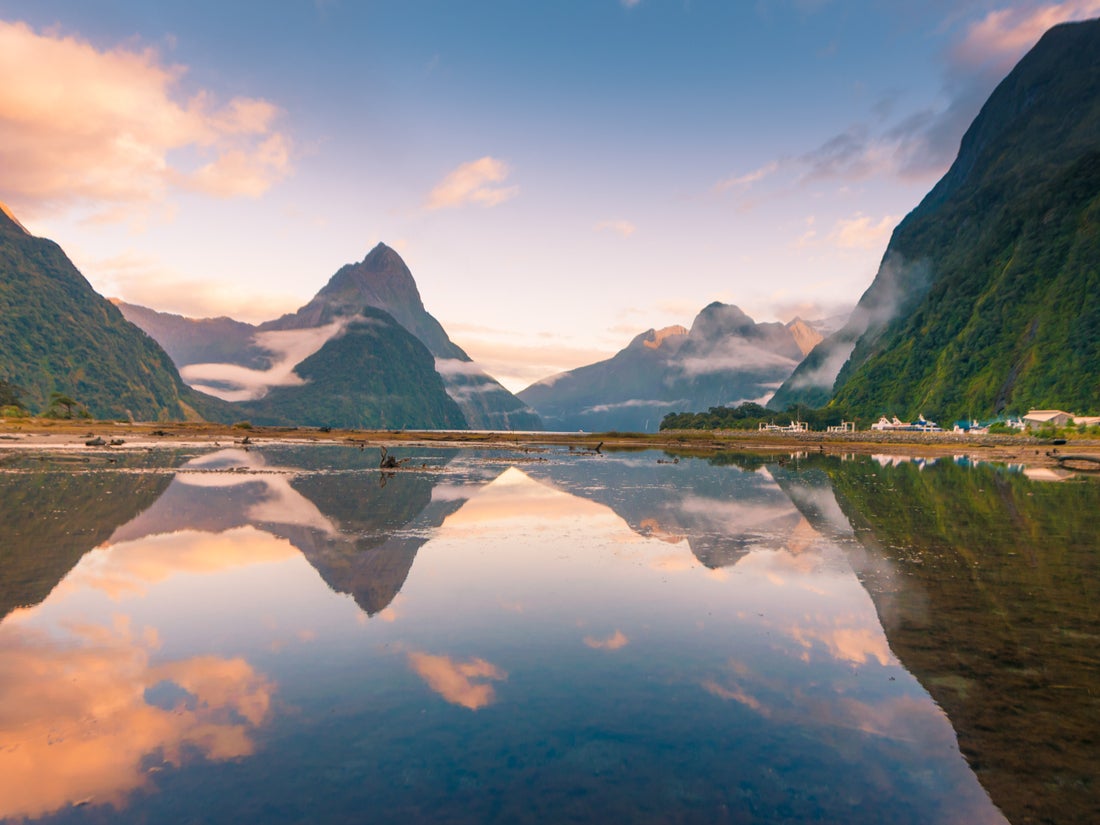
287	635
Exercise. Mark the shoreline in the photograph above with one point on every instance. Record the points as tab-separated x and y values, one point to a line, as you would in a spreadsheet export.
67	435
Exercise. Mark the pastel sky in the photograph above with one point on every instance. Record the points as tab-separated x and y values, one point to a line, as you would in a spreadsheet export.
559	175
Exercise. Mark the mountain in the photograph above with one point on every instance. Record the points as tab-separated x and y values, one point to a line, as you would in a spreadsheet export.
198	340
57	334
725	358
212	352
988	296
371	374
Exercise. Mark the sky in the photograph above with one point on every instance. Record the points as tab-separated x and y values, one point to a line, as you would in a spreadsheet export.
559	176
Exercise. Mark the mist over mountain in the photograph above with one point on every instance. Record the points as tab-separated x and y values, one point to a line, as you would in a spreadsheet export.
988	296
265	366
725	358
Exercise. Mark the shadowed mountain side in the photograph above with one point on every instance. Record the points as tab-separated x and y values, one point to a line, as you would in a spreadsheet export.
725	358
58	335
988	296
722	511
987	585
49	520
372	375
198	340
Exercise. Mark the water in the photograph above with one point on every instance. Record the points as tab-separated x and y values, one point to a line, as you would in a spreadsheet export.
288	635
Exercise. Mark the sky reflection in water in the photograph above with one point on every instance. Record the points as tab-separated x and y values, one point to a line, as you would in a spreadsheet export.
582	638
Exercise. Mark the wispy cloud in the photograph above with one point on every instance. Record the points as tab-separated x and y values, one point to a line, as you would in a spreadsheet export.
921	144
517	365
140	279
748	178
477	183
863	232
1003	35
616	640
112	127
288	348
624	228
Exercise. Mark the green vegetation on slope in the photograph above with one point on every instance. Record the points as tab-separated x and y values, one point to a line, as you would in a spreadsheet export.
1013	318
57	335
373	375
988	298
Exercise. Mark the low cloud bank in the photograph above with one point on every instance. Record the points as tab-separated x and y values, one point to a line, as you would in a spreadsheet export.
232	382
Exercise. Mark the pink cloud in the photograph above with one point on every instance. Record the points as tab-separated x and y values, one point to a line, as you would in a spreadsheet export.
113	127
476	183
1002	36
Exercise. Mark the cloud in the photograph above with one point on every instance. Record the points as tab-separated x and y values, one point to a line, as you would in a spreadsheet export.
632	403
515	365
290	347
613	642
114	128
1001	37
861	232
455	681
749	178
852	155
810	309
474	183
920	145
450	367
737	356
140	279
624	228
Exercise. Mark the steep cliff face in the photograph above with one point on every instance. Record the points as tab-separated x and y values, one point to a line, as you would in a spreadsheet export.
58	335
988	297
725	358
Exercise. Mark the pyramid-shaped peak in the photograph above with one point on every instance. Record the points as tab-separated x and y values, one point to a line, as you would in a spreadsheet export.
383	257
381	279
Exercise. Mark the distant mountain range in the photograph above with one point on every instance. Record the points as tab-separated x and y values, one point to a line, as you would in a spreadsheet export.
725	358
988	296
363	352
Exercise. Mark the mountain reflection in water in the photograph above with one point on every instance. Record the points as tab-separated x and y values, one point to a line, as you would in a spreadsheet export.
277	636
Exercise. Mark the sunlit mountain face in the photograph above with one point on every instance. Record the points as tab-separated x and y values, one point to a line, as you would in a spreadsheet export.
287	632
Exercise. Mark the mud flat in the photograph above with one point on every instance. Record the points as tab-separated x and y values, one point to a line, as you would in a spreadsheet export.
75	435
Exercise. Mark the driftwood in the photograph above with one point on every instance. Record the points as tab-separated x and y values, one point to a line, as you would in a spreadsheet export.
388	462
587	450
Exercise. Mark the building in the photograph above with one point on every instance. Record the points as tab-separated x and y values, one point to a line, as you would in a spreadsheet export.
1041	418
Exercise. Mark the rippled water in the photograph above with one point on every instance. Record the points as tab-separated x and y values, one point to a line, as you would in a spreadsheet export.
287	635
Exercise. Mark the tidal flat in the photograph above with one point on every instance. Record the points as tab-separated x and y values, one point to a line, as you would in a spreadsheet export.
198	629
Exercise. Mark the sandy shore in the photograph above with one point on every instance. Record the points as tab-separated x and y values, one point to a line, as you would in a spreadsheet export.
73	435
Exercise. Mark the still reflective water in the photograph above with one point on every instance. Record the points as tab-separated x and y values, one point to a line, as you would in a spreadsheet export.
287	635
